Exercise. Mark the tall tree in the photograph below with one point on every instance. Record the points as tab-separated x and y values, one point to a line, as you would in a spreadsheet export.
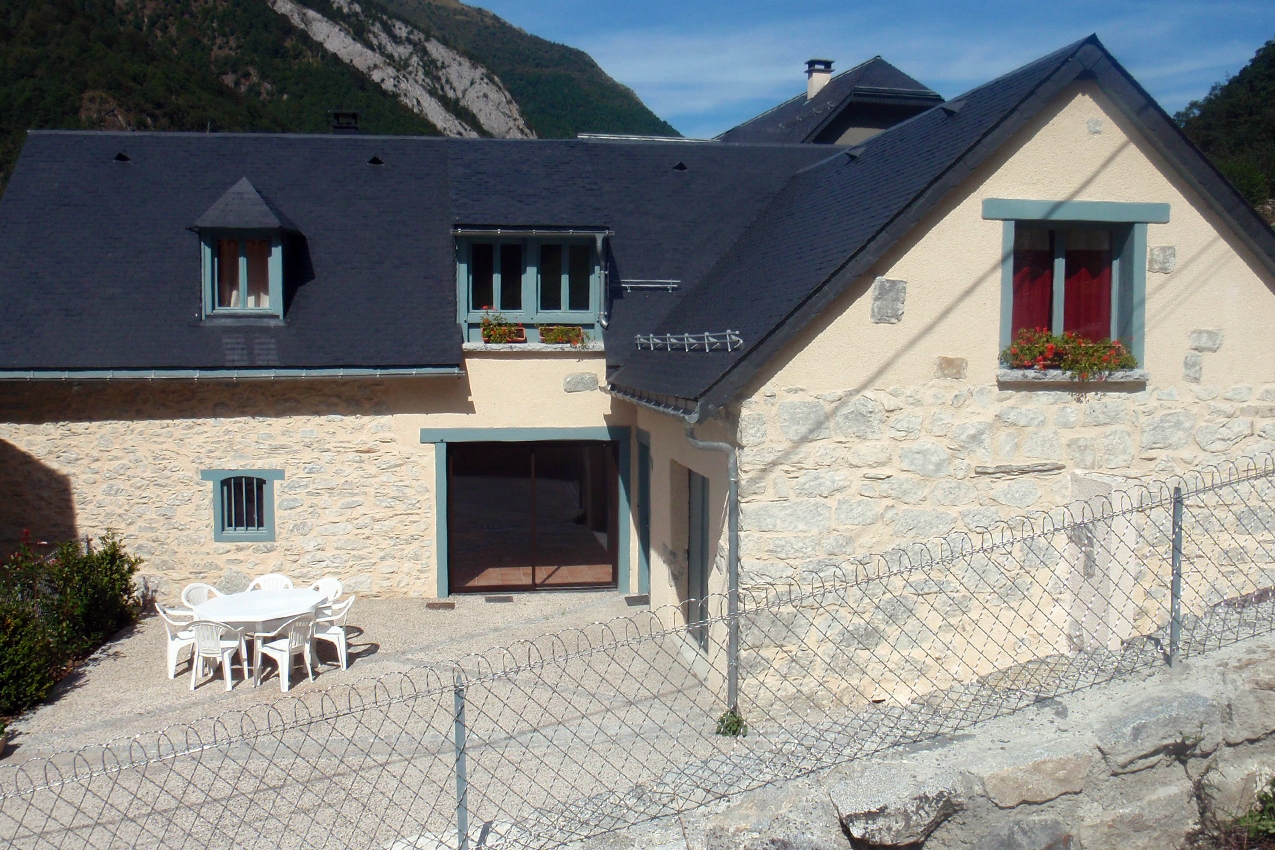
1235	125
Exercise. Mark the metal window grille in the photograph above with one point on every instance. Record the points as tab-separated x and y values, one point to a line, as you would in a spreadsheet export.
243	504
707	341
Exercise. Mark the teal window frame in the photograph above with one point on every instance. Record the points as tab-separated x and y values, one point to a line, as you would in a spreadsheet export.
210	260
470	314
266	534
1127	223
644	468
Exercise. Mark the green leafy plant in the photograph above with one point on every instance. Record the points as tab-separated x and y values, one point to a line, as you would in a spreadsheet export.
1083	359
1259	821
732	724
561	334
57	608
497	329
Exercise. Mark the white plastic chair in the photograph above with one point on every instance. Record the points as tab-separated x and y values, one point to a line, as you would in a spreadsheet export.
219	642
199	593
292	639
271	581
177	623
329	587
331	628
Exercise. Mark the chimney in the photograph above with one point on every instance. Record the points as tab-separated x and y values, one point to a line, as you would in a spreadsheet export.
818	72
345	122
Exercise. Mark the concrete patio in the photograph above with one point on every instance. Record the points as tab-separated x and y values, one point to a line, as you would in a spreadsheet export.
123	690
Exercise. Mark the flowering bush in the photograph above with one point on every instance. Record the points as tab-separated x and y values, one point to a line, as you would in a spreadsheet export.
1084	359
496	329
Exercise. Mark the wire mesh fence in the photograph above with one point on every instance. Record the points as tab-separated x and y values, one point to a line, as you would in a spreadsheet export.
549	742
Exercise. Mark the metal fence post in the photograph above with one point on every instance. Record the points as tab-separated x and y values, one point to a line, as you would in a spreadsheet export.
462	780
1175	589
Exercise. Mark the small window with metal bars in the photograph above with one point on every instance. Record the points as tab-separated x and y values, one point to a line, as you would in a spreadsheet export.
243	503
243	507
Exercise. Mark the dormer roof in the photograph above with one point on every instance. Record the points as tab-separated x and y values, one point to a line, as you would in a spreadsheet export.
243	207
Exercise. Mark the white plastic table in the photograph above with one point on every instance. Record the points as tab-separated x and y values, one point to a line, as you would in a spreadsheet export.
260	612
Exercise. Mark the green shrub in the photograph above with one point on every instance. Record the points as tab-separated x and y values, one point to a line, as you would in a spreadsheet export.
29	662
732	724
1260	820
57	608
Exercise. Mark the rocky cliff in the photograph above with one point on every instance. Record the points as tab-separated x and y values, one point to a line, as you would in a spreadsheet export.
455	94
407	66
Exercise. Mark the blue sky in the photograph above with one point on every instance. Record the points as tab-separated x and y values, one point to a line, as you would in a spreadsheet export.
706	66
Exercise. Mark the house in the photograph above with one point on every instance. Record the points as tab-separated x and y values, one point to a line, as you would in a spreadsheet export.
251	353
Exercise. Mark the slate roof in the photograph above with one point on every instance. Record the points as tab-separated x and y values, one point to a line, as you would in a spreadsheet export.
243	207
99	269
800	120
835	219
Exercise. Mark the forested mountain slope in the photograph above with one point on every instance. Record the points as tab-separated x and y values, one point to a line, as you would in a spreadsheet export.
285	65
1235	125
561	90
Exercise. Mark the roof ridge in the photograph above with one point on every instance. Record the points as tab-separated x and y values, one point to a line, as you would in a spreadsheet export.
1057	58
795	98
717	389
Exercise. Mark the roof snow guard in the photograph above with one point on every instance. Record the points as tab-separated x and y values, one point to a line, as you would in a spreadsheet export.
726	341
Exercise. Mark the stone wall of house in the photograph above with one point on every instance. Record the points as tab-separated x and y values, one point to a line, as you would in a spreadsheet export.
830	475
355	500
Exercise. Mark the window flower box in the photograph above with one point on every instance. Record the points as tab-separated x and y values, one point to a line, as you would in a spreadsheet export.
572	335
1078	358
497	330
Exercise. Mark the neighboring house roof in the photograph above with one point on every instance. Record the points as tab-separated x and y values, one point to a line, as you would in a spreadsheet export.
101	272
802	120
834	220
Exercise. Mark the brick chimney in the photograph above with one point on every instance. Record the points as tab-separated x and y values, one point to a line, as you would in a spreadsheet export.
818	72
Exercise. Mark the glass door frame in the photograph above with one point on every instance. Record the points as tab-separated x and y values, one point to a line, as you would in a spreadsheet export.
621	435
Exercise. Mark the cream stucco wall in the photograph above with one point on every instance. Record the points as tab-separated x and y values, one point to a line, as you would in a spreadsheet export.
358	497
671	457
853	444
952	265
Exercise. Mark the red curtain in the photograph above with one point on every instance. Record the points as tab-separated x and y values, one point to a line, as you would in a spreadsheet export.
1087	304
1033	279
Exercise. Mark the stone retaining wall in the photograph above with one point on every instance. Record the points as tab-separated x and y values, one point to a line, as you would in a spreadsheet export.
1145	763
826	476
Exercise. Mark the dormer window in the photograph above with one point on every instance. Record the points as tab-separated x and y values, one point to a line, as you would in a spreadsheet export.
531	277
242	239
246	272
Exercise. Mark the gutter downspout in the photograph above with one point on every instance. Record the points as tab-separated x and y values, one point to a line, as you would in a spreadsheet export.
604	316
732	555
